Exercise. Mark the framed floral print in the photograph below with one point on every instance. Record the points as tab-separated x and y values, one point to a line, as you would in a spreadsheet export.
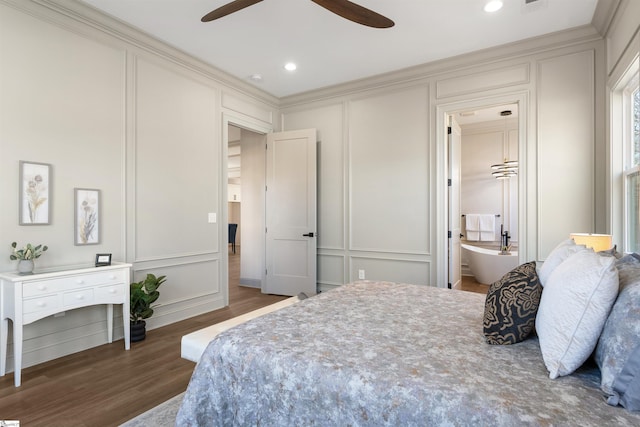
87	216
35	193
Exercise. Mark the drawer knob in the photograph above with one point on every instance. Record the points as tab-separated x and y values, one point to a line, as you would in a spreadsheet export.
112	291
80	296
42	288
41	304
112	277
80	281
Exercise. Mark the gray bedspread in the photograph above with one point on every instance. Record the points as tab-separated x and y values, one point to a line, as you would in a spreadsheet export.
375	353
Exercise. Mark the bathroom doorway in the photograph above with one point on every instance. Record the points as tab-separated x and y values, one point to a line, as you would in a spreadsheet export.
478	116
488	188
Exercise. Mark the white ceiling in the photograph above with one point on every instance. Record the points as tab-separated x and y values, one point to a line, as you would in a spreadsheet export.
329	49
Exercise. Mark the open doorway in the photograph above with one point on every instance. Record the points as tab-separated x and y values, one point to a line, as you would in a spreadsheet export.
276	229
524	152
245	210
488	194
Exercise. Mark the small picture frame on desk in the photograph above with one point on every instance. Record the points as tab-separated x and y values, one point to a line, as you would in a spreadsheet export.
103	260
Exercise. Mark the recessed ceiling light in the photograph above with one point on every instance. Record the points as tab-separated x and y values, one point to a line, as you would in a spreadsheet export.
290	66
493	6
256	77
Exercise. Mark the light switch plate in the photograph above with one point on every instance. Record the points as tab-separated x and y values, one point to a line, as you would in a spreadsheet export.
212	218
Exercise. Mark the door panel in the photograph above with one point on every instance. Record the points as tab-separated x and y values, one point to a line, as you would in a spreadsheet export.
291	213
455	140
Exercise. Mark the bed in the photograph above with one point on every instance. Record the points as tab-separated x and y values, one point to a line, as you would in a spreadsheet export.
380	353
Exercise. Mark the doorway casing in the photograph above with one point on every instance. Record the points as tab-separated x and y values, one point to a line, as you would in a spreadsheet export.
258	128
526	155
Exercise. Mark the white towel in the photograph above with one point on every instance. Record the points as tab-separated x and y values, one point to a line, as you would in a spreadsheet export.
487	227
472	227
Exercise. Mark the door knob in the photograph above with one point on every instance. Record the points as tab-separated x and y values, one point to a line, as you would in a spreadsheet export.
308	234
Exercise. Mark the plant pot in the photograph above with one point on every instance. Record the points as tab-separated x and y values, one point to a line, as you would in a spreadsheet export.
25	266
138	331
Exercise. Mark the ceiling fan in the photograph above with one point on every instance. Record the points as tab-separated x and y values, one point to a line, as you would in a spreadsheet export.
344	8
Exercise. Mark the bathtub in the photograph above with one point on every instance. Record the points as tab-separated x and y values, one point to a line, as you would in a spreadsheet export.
487	265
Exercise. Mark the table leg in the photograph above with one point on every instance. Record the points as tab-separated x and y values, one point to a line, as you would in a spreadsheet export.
4	329
110	323
17	353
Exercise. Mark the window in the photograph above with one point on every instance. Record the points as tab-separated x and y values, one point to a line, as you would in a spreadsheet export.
631	140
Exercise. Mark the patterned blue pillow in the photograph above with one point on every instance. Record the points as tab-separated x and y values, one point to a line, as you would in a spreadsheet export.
511	306
618	350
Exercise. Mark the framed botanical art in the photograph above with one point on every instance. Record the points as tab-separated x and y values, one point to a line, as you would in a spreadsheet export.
87	216
35	193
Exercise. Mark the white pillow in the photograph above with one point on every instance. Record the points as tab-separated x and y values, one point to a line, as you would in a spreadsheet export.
560	253
573	308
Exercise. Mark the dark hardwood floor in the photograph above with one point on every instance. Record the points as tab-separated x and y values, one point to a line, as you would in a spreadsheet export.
106	385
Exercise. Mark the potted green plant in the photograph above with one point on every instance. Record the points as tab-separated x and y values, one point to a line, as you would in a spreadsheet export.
142	295
26	256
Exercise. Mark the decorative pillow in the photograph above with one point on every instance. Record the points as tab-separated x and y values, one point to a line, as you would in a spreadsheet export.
573	309
612	252
560	253
618	350
628	270
511	306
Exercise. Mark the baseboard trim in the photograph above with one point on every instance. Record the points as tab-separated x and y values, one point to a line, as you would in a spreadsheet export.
251	283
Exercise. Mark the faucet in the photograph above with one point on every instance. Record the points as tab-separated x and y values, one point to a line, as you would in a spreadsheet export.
504	245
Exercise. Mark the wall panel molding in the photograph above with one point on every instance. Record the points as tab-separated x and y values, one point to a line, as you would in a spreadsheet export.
395	269
421	73
566	130
247	107
495	78
388	171
331	269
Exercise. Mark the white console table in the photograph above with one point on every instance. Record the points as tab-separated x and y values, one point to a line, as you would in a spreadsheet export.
27	298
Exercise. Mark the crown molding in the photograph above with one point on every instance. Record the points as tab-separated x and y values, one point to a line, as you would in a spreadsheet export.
510	51
60	11
603	15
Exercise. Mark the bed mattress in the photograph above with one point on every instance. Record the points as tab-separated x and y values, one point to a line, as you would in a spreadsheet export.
378	353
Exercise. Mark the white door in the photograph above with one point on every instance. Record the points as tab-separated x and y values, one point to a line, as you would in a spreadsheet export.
291	234
454	142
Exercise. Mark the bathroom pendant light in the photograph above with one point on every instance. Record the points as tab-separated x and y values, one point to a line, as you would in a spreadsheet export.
508	168
505	170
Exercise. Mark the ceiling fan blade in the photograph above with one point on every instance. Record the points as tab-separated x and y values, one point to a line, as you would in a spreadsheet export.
356	13
228	8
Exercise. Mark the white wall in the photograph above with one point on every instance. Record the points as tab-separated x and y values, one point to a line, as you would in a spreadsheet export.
252	264
373	173
117	111
484	144
388	194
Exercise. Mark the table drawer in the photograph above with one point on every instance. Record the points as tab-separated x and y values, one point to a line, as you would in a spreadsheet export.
43	287
114	294
78	297
45	303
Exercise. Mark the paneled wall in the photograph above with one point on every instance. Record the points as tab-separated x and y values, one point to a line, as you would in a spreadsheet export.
143	123
386	184
373	214
567	145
